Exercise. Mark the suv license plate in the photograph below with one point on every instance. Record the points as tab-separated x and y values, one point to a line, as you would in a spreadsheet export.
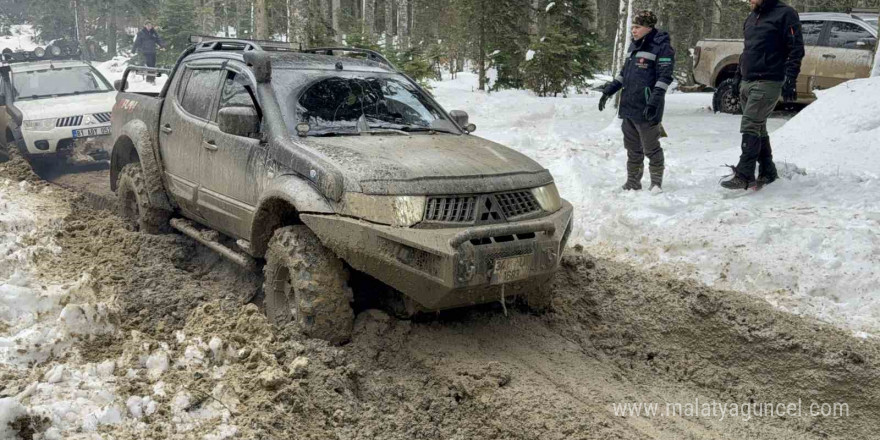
511	269
91	132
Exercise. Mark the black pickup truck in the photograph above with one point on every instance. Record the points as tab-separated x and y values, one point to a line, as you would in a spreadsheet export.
311	163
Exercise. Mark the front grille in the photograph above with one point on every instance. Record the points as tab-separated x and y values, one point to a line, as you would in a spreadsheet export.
102	117
456	209
517	203
70	121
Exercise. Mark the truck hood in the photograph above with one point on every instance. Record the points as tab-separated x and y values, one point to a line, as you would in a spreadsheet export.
64	106
428	164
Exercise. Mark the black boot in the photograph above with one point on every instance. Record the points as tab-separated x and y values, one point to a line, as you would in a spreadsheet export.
767	173
744	172
633	177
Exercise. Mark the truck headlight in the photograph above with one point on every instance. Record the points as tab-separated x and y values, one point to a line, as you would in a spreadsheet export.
39	124
548	197
403	211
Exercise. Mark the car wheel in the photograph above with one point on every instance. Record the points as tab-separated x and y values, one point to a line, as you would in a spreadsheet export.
133	202
725	100
306	285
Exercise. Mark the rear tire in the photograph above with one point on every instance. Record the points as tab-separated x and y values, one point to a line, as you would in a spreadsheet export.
133	202
724	100
306	284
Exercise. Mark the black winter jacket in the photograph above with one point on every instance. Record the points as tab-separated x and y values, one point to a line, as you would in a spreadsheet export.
147	41
648	70
774	44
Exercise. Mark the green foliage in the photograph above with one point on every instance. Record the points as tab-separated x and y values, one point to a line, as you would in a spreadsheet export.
564	53
413	61
177	22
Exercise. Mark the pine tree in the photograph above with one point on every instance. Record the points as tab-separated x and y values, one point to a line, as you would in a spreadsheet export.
177	21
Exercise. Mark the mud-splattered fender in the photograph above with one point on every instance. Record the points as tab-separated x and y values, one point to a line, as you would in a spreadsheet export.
134	136
284	198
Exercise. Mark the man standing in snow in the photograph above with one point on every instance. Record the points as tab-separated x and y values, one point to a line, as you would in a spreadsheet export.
644	79
768	67
146	42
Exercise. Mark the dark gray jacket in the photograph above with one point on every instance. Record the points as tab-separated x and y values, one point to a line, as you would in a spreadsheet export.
147	41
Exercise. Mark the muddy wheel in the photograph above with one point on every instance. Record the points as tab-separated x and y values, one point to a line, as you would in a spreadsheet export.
134	202
307	285
725	100
540	297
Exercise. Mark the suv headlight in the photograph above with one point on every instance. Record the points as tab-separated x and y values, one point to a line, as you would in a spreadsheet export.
548	197
39	124
403	211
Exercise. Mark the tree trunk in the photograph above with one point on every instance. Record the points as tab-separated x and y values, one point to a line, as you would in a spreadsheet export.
593	8
481	59
261	20
389	24
79	14
715	31
112	26
533	17
336	14
403	23
620	42
369	16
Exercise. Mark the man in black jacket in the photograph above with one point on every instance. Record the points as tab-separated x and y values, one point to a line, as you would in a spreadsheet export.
645	77
769	66
146	42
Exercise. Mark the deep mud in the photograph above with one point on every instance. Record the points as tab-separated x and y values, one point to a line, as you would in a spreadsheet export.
192	360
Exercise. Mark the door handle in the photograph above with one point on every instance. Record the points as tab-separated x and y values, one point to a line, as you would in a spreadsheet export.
167	129
829	55
209	145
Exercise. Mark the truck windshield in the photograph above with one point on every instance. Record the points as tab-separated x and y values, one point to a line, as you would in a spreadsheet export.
63	81
347	103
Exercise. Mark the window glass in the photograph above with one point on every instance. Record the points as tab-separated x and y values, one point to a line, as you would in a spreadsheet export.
812	30
63	81
201	90
847	35
234	93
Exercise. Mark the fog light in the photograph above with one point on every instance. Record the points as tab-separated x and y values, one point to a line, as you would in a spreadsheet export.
39	52
42	145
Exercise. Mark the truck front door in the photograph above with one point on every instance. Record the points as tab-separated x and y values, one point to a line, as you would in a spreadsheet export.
846	54
232	167
180	132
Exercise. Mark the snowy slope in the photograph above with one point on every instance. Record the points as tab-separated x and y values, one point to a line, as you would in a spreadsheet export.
808	244
114	68
23	37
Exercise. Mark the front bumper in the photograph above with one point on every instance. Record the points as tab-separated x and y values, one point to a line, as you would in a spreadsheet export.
451	267
60	140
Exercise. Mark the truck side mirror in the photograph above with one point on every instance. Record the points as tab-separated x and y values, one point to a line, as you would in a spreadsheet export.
239	121
461	118
866	43
117	85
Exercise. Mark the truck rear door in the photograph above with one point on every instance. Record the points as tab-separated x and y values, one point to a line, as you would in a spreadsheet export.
184	116
846	54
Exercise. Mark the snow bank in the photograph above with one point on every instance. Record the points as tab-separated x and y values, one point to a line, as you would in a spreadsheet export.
838	133
808	243
114	68
23	37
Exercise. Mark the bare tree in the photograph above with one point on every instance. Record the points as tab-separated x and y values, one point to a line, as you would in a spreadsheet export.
336	14
369	13
403	22
625	13
261	20
716	6
389	23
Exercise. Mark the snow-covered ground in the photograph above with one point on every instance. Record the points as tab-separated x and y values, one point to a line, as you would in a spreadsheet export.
808	243
23	37
113	70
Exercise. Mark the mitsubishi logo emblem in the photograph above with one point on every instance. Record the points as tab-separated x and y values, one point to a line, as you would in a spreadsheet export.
87	120
490	211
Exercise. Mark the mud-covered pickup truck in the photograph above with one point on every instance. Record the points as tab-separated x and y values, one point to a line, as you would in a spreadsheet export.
839	47
314	162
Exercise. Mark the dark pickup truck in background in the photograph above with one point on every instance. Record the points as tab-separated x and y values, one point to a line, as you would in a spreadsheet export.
310	163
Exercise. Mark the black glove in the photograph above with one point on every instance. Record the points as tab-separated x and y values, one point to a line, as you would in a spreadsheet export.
789	89
602	101
737	80
655	103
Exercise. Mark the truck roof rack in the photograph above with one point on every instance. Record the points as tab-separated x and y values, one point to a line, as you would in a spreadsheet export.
370	55
56	50
205	43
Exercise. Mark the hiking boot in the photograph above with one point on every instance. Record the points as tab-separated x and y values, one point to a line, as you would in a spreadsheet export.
631	186
765	180
736	182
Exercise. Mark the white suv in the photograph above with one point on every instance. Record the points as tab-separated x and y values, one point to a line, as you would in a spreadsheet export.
53	106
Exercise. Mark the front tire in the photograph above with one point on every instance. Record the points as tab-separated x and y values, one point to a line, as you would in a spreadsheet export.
724	100
133	202
306	284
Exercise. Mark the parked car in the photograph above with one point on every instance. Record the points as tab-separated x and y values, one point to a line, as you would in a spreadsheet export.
52	104
311	162
839	47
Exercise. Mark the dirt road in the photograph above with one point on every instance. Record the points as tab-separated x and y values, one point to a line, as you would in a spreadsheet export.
616	335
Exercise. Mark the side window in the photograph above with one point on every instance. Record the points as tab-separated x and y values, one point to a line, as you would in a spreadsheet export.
200	92
848	36
181	85
235	91
812	31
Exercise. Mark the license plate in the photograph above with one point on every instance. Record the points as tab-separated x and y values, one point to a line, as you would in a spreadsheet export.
91	132
511	269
